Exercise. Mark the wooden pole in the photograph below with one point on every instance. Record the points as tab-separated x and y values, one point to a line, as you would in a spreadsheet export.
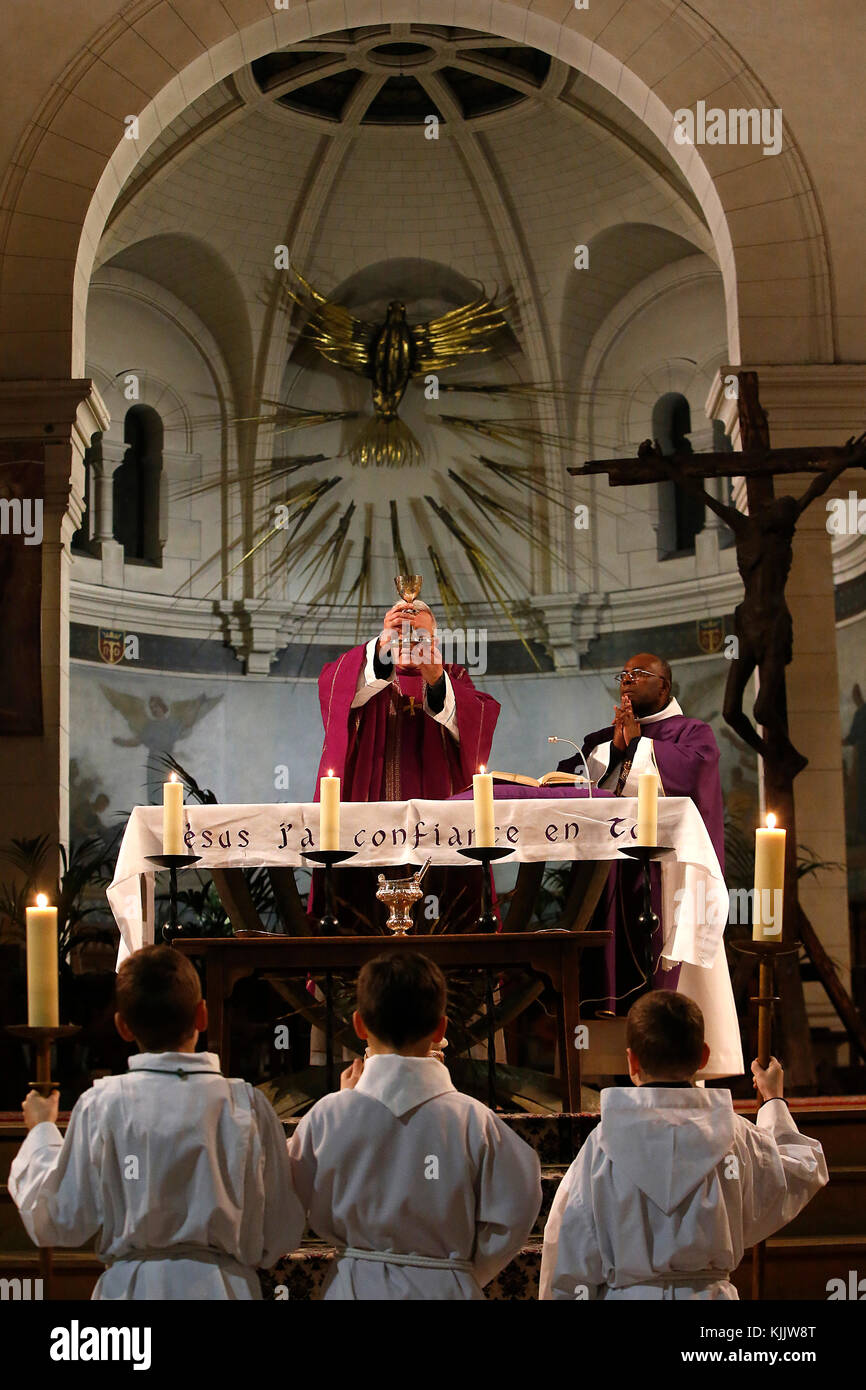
765	1033
46	1086
43	1039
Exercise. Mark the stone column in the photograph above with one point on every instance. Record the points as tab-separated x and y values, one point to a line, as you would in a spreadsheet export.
806	405
51	422
110	550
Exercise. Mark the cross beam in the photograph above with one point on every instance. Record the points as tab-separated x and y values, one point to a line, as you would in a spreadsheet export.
758	463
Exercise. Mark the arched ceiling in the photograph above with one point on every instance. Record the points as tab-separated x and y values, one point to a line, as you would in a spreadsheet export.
325	154
326	147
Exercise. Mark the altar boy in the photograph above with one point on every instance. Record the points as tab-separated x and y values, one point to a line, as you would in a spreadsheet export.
425	1192
672	1186
183	1172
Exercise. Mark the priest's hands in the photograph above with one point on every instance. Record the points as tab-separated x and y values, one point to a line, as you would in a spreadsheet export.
352	1075
625	726
769	1082
433	669
425	655
39	1109
393	621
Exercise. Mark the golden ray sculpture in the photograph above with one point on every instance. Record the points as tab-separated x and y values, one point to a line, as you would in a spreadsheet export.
390	354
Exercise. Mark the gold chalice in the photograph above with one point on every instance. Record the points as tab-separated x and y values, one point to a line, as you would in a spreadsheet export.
408	586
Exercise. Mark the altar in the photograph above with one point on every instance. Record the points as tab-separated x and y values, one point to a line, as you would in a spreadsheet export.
536	829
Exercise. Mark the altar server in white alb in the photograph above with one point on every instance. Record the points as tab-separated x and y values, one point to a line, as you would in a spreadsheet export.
183	1172
425	1192
672	1186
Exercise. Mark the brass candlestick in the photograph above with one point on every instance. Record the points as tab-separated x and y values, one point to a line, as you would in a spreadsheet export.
400	895
766	1000
43	1039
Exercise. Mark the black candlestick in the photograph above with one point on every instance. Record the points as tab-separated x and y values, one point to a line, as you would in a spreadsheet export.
484	855
647	921
328	923
172	862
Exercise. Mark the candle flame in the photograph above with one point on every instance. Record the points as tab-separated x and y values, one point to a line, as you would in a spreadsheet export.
771	821
41	900
172	777
482	768
330	772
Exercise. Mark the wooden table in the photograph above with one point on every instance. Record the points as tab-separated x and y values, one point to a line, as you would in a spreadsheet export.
554	954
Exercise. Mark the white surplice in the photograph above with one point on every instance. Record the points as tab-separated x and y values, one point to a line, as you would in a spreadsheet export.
668	1191
186	1179
405	1165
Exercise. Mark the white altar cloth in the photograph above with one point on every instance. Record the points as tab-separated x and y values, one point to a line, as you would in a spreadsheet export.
694	896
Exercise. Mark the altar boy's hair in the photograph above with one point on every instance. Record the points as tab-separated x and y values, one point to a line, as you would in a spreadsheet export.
401	998
665	1031
156	994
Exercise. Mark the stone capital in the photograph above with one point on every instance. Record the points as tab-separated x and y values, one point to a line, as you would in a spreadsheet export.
824	403
571	623
52	411
62	417
255	633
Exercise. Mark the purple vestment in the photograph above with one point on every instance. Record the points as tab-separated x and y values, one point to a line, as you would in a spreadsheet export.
687	757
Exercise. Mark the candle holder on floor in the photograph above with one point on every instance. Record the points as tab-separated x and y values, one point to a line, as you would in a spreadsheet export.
485	855
647	921
172	862
42	1039
328	922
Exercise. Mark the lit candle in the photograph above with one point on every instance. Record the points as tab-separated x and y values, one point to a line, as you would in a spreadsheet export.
42	978
329	815
172	816
482	796
769	882
647	808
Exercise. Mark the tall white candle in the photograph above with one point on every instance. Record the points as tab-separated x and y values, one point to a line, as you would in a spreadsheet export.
329	814
43	1010
647	808
769	882
482	796
172	816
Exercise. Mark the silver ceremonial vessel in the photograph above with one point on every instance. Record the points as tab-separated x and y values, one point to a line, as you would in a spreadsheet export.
399	896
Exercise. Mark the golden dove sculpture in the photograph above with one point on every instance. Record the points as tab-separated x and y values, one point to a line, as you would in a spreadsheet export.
390	354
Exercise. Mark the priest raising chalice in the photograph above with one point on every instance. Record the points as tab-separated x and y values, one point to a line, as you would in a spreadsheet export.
402	723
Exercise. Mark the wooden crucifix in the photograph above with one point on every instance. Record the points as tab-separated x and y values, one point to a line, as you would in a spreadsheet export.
764	631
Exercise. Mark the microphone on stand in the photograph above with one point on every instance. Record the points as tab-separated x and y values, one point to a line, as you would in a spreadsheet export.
552	738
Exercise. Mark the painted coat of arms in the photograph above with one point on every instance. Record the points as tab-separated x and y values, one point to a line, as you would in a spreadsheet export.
111	644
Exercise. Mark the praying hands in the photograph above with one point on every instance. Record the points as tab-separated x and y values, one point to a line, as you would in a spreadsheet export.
625	726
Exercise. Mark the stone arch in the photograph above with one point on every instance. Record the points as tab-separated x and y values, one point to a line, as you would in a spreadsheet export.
654	68
198	276
621	258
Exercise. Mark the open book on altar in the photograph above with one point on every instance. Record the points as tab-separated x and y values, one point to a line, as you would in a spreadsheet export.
550	779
